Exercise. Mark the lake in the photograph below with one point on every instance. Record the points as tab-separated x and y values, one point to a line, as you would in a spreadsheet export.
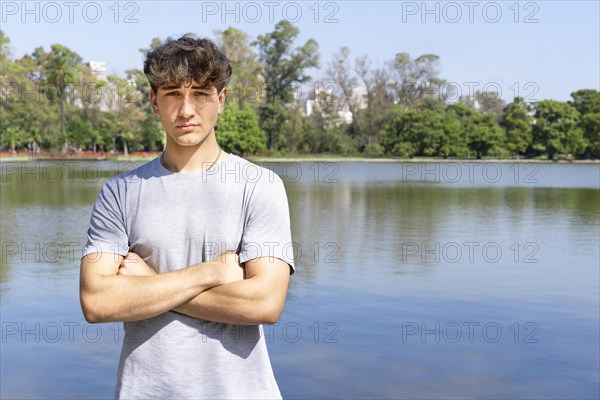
414	280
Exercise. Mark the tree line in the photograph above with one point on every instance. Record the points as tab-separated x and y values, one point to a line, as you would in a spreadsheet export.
51	101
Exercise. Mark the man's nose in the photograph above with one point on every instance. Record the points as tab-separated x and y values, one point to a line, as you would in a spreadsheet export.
186	108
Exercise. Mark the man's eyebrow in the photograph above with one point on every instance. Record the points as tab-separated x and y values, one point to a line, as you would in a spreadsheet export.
195	87
207	88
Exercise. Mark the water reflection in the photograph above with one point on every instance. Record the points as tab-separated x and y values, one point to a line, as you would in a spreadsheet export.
375	254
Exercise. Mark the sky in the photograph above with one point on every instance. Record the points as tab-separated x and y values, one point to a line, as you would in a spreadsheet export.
534	49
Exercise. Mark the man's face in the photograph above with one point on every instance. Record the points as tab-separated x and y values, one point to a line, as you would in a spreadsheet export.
188	113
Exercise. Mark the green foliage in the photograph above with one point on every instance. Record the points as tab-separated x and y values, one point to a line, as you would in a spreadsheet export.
79	130
587	102
396	113
152	135
484	135
283	68
373	150
11	136
517	123
246	80
60	67
590	124
126	113
323	131
282	64
556	129
154	43
238	131
424	132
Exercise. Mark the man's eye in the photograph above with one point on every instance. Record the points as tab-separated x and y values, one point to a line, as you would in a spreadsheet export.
201	94
172	94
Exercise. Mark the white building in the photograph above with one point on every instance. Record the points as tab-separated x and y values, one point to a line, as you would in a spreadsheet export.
344	114
98	69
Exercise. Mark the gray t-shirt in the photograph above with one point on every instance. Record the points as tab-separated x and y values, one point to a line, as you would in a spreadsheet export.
173	220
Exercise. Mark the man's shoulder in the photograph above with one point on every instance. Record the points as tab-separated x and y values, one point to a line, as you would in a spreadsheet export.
132	173
250	172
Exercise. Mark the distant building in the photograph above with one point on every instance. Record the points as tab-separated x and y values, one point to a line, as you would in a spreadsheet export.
98	69
343	112
313	98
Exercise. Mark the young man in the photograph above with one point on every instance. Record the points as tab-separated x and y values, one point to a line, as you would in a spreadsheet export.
191	250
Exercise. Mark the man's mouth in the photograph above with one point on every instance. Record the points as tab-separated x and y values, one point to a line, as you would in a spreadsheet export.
187	127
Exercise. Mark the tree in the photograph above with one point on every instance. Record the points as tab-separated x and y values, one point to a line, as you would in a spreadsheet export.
485	102
343	82
238	132
393	136
154	43
247	81
26	115
150	133
587	102
4	50
465	114
422	131
60	69
517	123
323	131
590	125
283	67
484	135
126	115
415	80
556	128
479	131
12	136
371	119
79	130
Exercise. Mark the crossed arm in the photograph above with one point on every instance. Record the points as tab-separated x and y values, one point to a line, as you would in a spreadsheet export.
114	288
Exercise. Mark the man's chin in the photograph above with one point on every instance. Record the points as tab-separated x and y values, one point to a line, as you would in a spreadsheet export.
188	140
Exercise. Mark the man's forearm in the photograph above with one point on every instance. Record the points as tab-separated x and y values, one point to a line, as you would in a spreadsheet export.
234	303
128	298
256	300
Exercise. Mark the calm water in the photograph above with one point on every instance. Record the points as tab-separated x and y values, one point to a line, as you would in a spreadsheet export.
414	281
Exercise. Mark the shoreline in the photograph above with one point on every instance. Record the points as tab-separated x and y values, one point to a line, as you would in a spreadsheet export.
299	159
417	160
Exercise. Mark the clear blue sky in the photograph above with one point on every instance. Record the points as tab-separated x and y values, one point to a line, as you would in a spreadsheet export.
543	49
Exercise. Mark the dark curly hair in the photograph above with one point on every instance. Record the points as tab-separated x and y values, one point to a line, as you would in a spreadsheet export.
174	62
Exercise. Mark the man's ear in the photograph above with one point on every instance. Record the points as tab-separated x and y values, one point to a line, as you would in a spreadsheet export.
222	97
153	102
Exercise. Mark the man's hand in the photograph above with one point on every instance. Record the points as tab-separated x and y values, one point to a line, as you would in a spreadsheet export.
134	265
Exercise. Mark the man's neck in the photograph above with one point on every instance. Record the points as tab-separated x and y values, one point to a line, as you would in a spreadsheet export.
184	159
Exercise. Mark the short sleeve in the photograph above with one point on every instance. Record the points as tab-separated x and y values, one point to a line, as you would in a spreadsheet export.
107	232
267	225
